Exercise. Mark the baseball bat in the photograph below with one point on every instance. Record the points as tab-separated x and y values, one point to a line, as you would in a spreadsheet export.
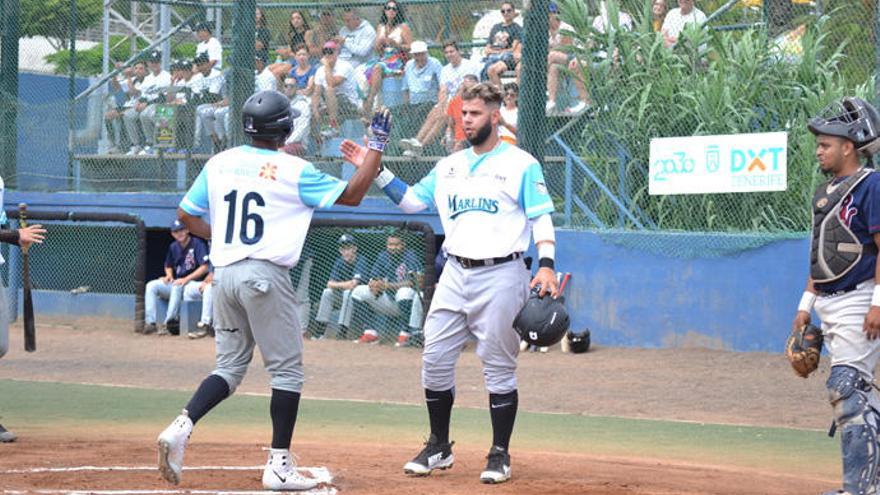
30	331
565	279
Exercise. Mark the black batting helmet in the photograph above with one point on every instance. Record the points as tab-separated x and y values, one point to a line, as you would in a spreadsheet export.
850	118
578	341
267	116
543	321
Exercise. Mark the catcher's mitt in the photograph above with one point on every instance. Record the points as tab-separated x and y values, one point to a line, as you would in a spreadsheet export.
803	348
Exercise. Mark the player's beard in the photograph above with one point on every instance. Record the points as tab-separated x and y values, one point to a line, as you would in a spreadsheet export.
481	135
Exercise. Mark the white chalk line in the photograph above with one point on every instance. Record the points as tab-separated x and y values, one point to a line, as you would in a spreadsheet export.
320	474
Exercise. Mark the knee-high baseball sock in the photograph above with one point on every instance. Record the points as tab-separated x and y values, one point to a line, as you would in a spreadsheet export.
503	412
440	412
211	392
283	409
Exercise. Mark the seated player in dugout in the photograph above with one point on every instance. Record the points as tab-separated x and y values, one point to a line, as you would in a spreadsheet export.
389	304
349	271
185	261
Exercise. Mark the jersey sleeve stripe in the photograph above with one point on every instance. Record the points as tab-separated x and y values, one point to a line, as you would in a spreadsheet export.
534	211
191	208
330	198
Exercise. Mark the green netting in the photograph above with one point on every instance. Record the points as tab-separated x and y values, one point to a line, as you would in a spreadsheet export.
756	66
389	311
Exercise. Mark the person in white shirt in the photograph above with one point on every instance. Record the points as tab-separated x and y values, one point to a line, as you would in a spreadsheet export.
264	80
356	38
560	59
334	81
509	113
209	45
677	19
139	119
209	97
451	76
128	82
297	142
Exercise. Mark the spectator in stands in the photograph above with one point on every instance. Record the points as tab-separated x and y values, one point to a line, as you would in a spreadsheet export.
505	46
335	86
677	19
559	59
349	271
390	293
297	141
303	73
509	114
451	77
299	33
178	94
658	14
185	261
421	85
393	40
264	80
200	290
262	37
325	30
209	45
127	82
356	38
139	119
456	139
209	97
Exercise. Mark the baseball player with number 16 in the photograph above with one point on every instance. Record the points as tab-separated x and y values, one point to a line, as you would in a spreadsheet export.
260	203
491	199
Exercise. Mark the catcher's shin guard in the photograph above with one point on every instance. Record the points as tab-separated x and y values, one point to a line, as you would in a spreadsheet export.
858	422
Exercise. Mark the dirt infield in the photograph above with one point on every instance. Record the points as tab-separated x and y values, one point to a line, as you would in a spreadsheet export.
678	384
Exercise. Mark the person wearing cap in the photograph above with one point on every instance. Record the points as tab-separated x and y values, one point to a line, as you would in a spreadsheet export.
209	97
335	86
128	83
349	270
393	41
209	45
421	86
185	261
356	38
560	58
140	120
264	80
451	77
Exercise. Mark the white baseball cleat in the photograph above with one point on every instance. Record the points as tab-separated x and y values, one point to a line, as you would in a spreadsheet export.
281	473
172	445
498	466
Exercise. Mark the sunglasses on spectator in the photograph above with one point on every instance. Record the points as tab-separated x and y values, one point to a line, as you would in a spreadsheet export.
506	11
391	7
328	51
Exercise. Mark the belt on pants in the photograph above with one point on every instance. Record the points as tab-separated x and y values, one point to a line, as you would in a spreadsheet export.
470	263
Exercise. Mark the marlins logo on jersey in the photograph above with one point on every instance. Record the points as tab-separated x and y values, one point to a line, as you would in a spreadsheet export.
506	183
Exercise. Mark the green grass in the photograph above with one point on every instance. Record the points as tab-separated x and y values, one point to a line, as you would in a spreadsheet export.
53	405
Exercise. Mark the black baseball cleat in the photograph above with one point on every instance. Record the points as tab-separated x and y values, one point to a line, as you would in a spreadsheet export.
498	468
6	436
435	455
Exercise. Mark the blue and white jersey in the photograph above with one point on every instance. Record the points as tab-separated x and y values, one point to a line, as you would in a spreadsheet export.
485	201
260	203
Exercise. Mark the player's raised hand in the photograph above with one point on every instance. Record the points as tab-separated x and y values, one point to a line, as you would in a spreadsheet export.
353	153
380	130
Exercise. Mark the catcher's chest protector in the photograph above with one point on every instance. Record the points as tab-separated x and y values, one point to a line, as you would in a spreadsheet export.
835	249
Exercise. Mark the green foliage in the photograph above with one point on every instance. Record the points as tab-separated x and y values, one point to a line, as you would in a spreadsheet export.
88	62
710	83
51	18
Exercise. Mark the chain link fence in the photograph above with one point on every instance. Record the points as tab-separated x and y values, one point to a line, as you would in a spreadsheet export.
610	79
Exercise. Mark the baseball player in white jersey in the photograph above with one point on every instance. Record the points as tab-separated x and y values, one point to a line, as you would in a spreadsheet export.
260	202
20	237
491	199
